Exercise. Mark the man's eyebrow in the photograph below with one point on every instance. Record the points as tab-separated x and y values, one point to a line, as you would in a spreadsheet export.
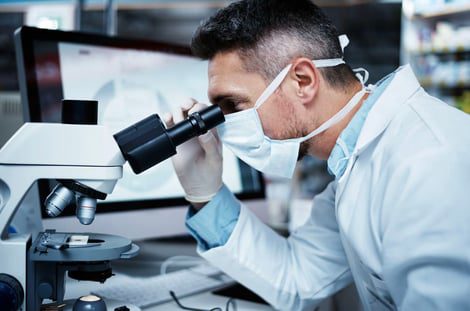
236	98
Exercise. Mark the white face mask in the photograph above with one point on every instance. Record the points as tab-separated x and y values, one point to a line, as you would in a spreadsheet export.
243	133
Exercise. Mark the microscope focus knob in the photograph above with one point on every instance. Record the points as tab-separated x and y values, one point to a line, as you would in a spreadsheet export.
11	293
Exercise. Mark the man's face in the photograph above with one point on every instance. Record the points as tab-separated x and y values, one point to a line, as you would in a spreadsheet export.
234	89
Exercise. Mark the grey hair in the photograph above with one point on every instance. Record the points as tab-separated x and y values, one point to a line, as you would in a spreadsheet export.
270	34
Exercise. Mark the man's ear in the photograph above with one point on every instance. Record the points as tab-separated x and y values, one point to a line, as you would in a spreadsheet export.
305	76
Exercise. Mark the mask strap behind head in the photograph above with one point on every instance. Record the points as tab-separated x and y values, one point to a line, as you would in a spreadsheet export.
332	62
319	63
362	79
343	42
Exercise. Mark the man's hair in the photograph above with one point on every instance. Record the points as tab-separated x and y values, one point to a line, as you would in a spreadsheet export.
270	34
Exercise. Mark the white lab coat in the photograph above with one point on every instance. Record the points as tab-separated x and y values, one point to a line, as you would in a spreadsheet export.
397	223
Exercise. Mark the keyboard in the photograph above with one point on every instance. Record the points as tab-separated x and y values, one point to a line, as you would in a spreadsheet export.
145	292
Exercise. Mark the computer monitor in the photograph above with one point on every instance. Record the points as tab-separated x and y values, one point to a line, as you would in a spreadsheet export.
130	79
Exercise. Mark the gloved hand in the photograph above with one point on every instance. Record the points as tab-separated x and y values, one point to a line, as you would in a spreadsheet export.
198	162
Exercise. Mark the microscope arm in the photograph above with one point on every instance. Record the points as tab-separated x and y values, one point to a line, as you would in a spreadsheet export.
16	180
85	153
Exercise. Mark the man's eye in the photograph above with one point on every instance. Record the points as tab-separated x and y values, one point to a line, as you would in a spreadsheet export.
228	106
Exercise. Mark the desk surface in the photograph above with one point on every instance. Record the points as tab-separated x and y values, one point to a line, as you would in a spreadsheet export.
148	262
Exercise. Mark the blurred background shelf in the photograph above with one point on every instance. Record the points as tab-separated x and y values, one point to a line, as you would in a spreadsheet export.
455	87
436	43
441	52
443	10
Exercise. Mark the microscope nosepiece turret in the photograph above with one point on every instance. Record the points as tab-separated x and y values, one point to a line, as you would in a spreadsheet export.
85	200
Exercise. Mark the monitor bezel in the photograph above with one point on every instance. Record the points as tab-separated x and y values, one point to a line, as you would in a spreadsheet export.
24	45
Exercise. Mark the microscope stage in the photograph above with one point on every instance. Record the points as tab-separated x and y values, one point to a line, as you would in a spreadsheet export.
81	247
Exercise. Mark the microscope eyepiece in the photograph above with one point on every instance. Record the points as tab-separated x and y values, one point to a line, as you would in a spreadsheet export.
144	145
148	142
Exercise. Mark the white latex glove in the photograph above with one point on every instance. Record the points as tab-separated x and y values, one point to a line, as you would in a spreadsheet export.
198	162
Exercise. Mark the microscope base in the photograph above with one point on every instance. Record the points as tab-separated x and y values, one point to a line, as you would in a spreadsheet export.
52	255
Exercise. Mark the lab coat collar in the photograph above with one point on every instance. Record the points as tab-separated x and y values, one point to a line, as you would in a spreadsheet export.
402	87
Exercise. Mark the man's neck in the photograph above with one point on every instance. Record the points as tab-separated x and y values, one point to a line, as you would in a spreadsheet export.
322	145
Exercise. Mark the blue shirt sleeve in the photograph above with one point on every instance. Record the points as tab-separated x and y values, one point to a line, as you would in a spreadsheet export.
212	225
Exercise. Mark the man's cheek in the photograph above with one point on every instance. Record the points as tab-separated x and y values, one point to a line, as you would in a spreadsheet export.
274	129
267	126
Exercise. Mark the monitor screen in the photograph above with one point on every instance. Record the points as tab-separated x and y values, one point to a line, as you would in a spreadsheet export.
130	79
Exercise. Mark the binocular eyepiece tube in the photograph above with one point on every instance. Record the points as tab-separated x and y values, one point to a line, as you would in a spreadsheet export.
148	142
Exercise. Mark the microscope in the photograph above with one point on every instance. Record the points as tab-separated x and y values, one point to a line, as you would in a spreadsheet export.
86	160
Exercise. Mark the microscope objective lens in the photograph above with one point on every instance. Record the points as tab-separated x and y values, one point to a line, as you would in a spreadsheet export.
86	208
59	198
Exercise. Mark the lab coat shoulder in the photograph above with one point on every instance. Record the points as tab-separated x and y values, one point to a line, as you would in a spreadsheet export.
450	126
425	144
425	211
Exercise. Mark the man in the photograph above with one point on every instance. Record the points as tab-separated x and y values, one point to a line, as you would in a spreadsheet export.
395	220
